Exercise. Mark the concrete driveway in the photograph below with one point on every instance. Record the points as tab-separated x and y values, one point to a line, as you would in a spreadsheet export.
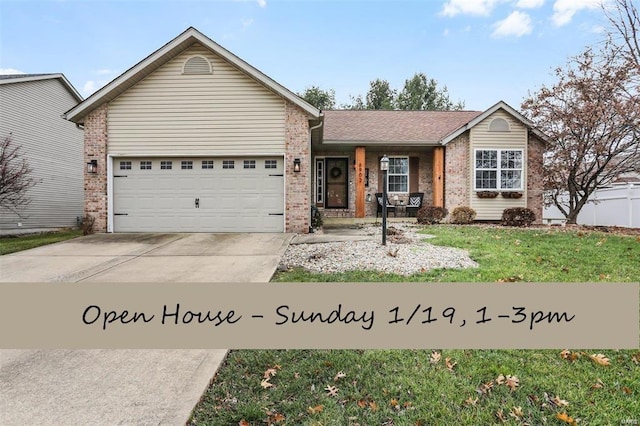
118	387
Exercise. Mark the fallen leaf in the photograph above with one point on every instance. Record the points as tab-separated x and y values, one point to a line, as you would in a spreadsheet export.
435	357
373	406
331	390
565	418
316	409
569	356
516	412
500	415
362	403
512	383
270	372
265	384
276	418
339	375
558	402
500	379
599	359
243	422
296	375
597	385
449	364
394	403
471	401
485	388
636	357
627	390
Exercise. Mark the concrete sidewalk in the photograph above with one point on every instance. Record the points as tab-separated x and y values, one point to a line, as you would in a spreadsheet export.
122	387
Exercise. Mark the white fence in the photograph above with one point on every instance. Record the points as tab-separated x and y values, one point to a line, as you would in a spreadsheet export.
615	206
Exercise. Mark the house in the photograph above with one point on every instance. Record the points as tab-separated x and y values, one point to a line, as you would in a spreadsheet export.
193	138
31	114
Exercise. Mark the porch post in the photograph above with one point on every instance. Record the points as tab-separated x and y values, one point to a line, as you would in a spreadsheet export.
360	178
438	176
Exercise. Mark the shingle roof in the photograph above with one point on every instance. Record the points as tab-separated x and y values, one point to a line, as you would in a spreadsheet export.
393	126
10	76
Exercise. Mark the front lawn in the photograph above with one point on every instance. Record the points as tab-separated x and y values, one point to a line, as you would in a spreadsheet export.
12	244
433	387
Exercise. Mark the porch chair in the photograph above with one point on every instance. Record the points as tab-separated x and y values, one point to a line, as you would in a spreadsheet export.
390	207
415	203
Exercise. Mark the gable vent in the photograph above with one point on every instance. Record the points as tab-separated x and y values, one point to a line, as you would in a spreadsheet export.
197	65
499	125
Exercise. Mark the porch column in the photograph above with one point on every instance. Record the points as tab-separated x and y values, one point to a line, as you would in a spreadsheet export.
438	176
360	165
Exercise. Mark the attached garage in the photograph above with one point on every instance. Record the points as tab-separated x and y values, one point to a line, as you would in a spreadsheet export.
178	194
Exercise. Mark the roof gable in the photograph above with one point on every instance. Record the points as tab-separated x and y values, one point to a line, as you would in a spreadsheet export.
23	78
158	58
487	113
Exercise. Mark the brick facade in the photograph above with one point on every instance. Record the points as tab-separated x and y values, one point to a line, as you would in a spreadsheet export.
95	185
298	185
535	185
456	173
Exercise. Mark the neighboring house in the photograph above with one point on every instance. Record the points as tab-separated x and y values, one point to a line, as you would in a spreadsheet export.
31	114
192	138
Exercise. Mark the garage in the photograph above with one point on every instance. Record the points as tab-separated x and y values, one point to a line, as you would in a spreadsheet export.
197	194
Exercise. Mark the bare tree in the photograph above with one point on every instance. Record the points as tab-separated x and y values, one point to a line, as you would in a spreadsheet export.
592	117
624	31
15	176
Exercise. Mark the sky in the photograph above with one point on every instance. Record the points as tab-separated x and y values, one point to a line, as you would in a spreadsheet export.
483	51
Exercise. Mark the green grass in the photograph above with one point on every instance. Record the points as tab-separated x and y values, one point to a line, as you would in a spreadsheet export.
12	244
402	387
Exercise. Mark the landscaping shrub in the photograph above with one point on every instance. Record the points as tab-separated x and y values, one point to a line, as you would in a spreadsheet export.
316	217
86	226
428	215
463	215
518	216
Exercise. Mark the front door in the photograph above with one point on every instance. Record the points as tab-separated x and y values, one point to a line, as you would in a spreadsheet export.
337	183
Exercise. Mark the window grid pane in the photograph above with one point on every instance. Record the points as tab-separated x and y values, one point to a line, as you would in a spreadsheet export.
145	165
207	164
270	164
186	165
166	165
125	165
228	164
398	175
249	164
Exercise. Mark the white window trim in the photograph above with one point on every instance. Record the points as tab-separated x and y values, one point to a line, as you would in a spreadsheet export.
399	174
499	169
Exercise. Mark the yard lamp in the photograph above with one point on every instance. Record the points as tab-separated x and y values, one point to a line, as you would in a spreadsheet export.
384	166
92	167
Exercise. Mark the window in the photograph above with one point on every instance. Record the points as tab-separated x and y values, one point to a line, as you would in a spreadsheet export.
270	164
398	174
228	164
320	181
249	164
498	169
207	164
166	165
145	165
125	165
186	165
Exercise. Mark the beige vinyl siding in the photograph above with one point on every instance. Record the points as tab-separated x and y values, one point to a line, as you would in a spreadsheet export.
482	138
223	113
32	112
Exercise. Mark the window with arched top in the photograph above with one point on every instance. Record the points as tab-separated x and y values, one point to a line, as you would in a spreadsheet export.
197	65
499	125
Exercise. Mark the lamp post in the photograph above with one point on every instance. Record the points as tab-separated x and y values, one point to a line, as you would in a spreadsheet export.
384	166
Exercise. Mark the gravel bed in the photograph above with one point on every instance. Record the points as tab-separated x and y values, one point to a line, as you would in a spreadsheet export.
406	253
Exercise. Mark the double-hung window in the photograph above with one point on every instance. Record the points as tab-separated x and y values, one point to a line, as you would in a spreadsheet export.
498	169
398	174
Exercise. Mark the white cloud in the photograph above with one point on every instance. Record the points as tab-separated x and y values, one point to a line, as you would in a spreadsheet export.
529	4
6	71
262	3
517	24
563	10
468	7
92	86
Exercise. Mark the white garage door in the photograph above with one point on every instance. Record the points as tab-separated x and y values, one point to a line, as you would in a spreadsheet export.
243	194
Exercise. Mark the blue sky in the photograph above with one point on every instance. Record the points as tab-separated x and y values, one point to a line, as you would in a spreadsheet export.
482	50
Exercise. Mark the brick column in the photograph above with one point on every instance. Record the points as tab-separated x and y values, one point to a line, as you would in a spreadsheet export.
535	185
297	185
95	185
456	173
